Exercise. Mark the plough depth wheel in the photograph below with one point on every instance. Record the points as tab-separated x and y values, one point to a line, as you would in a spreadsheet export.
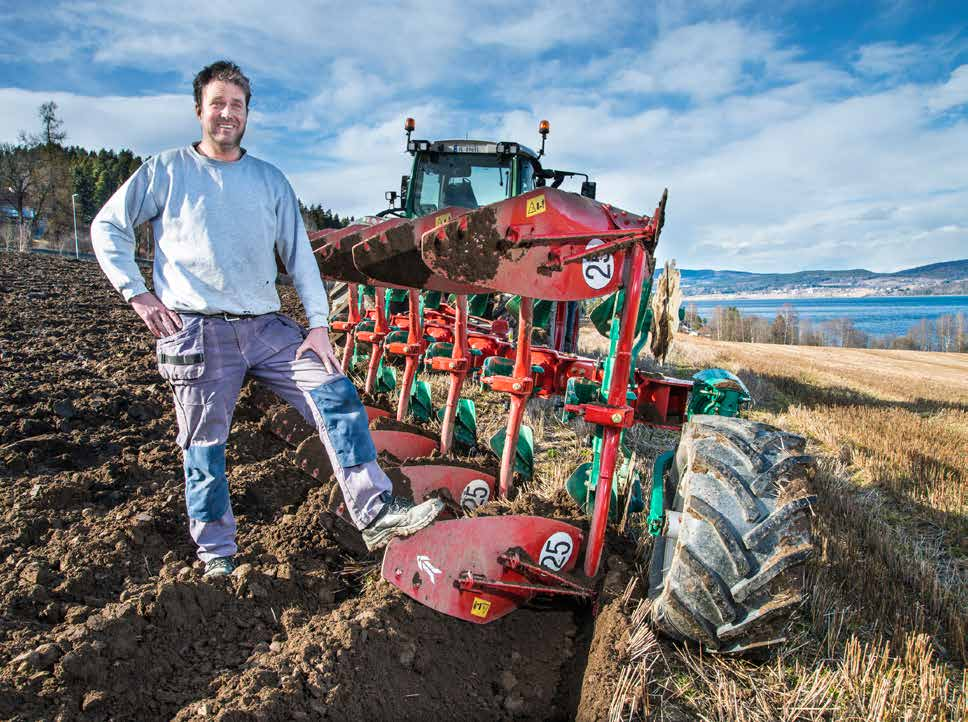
729	567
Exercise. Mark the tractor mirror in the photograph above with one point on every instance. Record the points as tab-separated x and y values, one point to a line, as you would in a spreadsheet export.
391	197
588	189
404	183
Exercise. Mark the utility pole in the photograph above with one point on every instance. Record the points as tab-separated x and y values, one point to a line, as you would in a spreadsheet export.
77	253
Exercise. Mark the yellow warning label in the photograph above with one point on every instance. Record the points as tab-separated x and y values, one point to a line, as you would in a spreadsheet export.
480	607
442	219
536	205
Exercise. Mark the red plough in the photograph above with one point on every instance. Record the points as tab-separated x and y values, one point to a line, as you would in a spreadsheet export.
483	568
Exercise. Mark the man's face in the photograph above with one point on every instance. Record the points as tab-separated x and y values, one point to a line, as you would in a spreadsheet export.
223	114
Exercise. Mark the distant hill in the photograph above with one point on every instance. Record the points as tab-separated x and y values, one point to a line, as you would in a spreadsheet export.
949	277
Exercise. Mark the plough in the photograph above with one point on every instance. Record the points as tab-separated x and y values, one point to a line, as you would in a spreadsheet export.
479	218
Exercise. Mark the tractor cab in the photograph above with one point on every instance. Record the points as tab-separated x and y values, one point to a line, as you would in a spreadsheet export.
471	174
467	174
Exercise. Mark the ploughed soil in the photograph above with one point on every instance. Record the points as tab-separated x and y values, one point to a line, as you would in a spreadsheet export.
103	611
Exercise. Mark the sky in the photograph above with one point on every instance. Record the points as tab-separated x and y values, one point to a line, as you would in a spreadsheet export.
791	135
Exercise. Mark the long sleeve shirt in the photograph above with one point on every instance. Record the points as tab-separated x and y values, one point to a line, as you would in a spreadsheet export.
216	224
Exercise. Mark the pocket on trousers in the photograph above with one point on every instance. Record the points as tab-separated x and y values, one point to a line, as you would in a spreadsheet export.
346	423
181	357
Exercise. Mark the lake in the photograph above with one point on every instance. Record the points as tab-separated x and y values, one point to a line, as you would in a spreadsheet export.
872	314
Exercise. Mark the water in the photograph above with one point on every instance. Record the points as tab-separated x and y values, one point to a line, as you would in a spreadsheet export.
879	315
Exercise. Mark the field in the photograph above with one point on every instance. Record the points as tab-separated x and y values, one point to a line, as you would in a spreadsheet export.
103	612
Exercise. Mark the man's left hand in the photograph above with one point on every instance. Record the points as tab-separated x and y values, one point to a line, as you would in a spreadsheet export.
317	341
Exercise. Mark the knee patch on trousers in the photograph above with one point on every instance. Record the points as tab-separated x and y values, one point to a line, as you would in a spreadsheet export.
206	488
346	424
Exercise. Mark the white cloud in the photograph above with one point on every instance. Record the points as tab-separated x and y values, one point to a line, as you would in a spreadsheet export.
951	94
887	58
773	160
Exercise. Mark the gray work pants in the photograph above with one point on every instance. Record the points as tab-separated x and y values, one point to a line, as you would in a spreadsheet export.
207	362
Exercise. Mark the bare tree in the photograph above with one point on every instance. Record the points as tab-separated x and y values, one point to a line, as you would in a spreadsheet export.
21	185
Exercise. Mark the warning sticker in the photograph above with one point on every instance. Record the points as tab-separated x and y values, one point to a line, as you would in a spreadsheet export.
442	219
536	205
480	607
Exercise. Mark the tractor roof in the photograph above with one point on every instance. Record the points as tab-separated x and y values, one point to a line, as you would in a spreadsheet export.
475	146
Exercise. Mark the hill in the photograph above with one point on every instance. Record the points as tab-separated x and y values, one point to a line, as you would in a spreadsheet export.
949	277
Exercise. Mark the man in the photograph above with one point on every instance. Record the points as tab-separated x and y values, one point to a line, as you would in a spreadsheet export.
218	214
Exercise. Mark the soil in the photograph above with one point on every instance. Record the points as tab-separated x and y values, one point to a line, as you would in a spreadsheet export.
103	611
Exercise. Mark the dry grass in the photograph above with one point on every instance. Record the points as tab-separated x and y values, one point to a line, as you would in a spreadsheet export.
884	637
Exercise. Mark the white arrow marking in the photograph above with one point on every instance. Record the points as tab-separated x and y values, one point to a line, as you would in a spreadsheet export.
425	565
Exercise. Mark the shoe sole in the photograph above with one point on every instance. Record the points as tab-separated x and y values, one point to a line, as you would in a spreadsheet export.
384	537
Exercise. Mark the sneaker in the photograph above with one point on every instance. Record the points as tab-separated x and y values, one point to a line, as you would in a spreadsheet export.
399	517
218	567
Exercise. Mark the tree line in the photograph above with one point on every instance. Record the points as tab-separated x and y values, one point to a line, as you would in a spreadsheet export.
45	186
948	332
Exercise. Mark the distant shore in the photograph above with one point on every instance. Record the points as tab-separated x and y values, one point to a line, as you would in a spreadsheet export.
787	296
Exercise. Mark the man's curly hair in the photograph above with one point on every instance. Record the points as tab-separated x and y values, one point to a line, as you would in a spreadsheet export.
224	70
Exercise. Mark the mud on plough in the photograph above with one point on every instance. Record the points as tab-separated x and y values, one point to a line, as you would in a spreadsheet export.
727	509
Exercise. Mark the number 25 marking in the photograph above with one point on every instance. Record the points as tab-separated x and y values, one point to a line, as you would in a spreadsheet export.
597	270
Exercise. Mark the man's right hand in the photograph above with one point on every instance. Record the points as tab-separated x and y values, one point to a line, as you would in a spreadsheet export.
159	319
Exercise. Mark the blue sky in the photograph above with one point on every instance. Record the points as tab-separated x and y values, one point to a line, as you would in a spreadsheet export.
791	135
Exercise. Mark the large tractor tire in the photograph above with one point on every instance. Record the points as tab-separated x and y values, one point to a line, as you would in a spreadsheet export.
728	571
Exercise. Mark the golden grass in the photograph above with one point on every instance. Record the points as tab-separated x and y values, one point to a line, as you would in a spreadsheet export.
888	616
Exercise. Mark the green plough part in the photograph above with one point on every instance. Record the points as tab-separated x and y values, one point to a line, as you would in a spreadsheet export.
431	300
477	304
386	378
421	404
656	500
397	336
438	348
606	318
579	391
582	489
500	366
717	392
465	424
524	456
541	312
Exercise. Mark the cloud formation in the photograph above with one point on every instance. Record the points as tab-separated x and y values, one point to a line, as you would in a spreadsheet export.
783	147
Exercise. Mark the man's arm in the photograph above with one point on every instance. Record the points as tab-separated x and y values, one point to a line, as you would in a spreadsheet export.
112	235
292	243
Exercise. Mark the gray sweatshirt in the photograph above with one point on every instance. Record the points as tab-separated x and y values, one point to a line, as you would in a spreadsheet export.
215	225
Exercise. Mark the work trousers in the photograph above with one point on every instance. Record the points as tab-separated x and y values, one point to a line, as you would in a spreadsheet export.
207	362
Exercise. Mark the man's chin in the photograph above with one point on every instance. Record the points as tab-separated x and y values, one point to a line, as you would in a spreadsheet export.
227	142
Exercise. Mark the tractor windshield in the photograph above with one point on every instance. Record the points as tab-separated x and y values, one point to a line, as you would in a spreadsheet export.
468	180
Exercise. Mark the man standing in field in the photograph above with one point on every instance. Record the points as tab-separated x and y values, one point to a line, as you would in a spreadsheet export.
218	215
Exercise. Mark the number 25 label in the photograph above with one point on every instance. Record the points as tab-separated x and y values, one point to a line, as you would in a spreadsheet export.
597	270
556	551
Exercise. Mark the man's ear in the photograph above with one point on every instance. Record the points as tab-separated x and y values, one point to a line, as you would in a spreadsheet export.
198	111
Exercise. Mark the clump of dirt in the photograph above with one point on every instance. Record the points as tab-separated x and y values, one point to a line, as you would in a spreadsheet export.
386	423
105	613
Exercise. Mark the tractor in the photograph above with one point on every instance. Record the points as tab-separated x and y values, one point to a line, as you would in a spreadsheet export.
728	507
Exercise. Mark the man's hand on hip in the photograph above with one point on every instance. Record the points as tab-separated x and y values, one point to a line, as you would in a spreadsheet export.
317	341
159	319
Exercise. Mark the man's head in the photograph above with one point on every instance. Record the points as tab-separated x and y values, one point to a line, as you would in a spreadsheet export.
222	104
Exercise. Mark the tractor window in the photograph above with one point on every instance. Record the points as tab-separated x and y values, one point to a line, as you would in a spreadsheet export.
469	180
527	175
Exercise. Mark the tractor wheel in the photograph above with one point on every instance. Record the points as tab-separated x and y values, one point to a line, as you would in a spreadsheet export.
728	571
